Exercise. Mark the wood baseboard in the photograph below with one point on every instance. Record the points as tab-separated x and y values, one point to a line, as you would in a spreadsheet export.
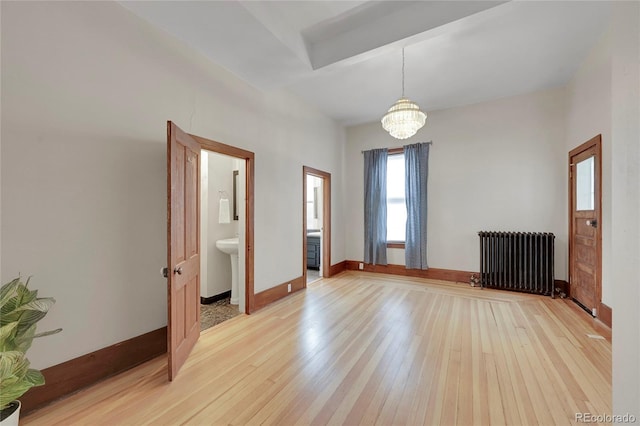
266	297
337	268
73	375
605	314
209	300
431	273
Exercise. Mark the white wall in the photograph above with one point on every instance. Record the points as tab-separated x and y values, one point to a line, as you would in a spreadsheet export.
87	88
589	114
495	166
625	182
0	149
218	263
604	97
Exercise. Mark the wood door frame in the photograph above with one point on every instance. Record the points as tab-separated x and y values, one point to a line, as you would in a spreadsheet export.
249	157
326	220
596	142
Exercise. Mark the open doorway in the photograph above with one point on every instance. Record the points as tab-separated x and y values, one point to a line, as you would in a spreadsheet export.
184	237
244	206
316	224
221	217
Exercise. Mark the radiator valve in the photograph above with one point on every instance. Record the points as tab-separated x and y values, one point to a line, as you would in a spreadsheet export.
474	280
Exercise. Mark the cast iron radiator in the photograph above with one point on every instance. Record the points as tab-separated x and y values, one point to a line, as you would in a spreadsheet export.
519	261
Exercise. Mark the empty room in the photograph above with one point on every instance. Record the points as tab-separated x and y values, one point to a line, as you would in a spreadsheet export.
320	212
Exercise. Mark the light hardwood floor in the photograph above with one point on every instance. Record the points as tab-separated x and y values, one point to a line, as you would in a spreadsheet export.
371	349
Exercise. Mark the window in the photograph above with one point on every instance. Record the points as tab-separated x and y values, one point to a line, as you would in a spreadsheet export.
585	186
396	207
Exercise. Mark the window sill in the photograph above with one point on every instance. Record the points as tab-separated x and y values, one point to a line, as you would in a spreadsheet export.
395	244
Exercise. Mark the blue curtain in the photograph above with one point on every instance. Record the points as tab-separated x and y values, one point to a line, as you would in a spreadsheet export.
416	160
375	206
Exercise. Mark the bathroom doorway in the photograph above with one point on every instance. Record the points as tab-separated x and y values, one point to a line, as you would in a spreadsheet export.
316	218
183	239
221	218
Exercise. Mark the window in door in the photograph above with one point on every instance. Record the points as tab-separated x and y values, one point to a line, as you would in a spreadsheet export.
585	186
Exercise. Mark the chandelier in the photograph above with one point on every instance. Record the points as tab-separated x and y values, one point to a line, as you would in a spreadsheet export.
404	118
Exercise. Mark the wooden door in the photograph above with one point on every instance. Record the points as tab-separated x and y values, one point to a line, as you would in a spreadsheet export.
585	246
183	154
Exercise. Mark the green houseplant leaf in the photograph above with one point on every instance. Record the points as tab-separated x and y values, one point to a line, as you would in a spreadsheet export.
6	331
20	310
16	376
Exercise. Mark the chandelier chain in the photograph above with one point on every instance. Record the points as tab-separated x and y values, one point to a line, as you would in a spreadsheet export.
403	72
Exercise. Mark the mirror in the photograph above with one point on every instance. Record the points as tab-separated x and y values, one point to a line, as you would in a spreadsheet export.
236	175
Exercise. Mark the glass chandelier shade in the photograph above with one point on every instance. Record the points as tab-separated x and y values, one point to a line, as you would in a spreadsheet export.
404	118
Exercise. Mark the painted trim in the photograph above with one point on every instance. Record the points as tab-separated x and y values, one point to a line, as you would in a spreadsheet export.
278	292
431	273
217	297
605	314
78	373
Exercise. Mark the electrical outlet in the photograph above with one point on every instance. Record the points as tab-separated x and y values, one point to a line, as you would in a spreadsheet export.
361	266
289	287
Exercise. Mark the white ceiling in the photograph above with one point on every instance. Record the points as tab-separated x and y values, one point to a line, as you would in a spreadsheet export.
344	57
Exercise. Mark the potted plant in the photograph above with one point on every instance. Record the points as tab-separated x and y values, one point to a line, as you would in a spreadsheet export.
20	310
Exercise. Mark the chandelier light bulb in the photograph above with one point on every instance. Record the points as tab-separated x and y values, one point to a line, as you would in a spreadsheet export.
403	119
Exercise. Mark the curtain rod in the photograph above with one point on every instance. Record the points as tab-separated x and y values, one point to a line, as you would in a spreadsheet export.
397	148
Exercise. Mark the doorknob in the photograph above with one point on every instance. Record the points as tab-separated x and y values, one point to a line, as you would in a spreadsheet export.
593	223
178	270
